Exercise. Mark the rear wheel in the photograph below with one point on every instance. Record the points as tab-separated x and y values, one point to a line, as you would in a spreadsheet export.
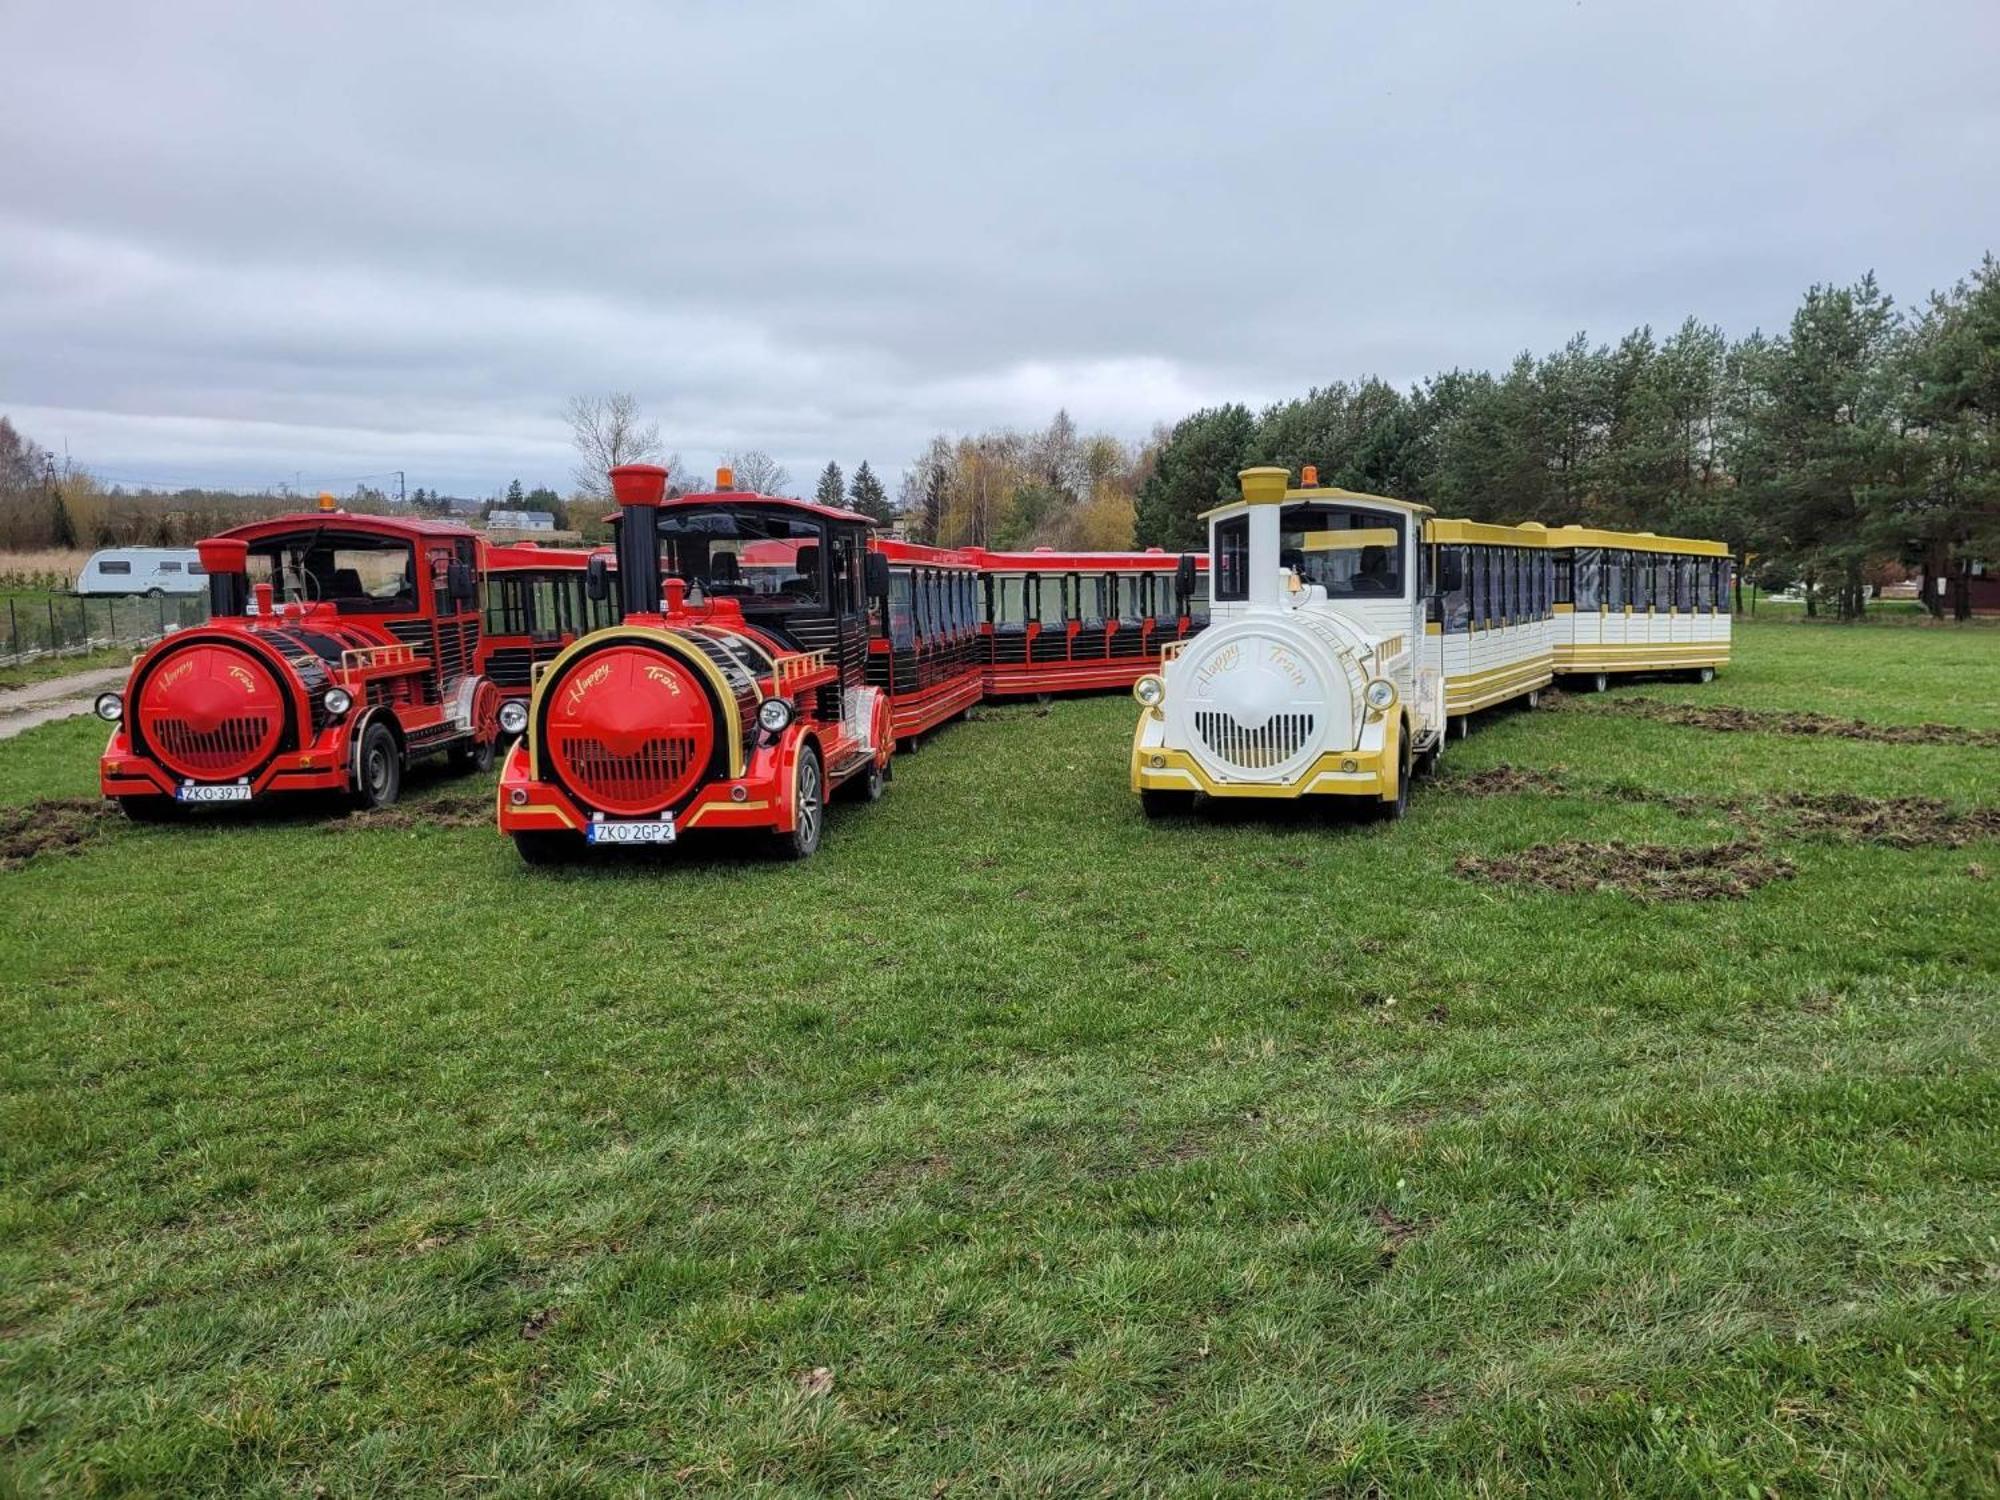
1600	682
542	847
869	784
1704	674
476	755
1157	804
379	779
808	808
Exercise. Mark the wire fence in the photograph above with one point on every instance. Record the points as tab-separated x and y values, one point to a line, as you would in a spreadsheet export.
73	624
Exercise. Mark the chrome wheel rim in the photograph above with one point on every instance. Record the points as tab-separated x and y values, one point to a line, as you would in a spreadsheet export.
808	808
378	773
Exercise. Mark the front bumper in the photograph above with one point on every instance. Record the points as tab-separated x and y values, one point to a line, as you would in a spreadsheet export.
526	805
323	767
1369	772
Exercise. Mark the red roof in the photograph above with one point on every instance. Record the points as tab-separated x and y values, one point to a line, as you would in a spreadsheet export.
918	552
751	497
1046	558
501	555
407	527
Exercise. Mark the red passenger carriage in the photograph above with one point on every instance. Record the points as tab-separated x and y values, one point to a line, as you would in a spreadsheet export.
340	648
536	604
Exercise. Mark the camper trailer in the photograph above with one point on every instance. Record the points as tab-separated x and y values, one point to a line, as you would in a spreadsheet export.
143	570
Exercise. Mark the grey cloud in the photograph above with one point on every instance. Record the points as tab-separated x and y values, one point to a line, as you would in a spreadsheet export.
374	235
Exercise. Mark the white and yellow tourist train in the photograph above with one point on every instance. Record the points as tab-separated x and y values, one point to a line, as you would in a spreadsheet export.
1350	634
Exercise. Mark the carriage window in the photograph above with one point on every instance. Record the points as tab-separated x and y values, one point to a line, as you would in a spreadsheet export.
1160	587
1684	575
114	567
506	606
1010	599
1350	552
1197	603
1232	559
1586	570
1089	597
902	610
1049	594
1454	603
1704	584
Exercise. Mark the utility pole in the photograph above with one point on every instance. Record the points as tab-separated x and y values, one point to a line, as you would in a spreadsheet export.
399	487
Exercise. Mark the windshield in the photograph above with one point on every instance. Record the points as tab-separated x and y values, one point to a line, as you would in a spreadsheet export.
758	555
356	574
1350	552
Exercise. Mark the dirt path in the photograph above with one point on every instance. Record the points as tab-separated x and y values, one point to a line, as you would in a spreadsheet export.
58	698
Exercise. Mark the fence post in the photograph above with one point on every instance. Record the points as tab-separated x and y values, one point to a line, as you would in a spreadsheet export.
52	622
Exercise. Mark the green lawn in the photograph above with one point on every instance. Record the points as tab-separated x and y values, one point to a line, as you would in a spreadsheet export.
1014	1145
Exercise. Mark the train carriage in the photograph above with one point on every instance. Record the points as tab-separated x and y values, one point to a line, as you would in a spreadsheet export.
340	648
1632	602
731	695
536	604
1492	615
927	647
1083	621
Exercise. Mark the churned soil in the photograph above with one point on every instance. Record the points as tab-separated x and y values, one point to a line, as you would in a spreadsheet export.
49	826
1645	872
460	810
1903	822
1505	780
1727	719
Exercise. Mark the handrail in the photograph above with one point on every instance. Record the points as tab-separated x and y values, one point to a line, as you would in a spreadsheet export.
786	670
369	658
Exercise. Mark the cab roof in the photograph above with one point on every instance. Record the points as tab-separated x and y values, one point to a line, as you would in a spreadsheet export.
784	502
406	528
1324	494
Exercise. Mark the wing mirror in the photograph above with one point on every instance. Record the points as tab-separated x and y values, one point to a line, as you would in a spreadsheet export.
597	578
463	586
1184	578
877	576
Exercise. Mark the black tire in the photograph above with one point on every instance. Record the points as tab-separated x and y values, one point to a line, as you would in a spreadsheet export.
474	756
869	785
1157	804
1398	808
808	808
150	809
378	780
1704	674
1600	682
542	848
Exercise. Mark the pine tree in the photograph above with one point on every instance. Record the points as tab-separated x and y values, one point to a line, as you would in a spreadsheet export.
1196	472
832	488
867	495
516	497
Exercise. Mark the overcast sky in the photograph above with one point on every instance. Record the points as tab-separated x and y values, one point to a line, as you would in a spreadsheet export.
247	241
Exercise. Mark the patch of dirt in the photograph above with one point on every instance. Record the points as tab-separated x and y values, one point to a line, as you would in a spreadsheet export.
540	1323
1902	822
51	825
1504	780
459	811
1645	872
1396	1232
817	1381
1727	719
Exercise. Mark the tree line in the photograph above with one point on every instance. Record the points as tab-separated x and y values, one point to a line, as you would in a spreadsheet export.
1861	441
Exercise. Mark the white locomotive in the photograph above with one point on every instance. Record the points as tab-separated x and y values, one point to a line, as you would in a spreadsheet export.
1350	632
1309	678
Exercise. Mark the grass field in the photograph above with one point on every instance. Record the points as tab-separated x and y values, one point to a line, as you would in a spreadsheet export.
1014	1145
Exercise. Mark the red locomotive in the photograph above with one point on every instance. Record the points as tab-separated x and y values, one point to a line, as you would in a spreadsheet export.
536	604
340	648
730	696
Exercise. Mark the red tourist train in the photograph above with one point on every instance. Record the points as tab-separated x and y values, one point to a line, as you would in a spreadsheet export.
730	694
536	604
770	652
339	649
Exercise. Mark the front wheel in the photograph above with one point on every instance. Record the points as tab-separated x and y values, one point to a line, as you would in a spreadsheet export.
1398	807
1157	805
808	808
541	847
379	769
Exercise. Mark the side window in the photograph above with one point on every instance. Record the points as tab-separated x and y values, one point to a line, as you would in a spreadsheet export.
1232	559
1089	589
902	610
1049	602
1010	599
1586	570
1455	606
1685	569
115	567
1614	580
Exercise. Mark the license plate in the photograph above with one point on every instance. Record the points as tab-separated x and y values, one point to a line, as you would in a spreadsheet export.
235	792
651	831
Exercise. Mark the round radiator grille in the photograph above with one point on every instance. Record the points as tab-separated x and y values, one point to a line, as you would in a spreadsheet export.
210	712
630	730
1271	743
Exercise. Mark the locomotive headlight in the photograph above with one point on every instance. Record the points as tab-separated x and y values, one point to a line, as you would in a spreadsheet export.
1381	695
513	716
110	707
1150	691
338	701
775	715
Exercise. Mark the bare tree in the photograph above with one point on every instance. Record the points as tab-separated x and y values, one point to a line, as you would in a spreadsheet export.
607	433
759	471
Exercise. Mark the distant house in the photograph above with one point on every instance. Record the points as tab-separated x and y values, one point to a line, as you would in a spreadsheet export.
521	520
